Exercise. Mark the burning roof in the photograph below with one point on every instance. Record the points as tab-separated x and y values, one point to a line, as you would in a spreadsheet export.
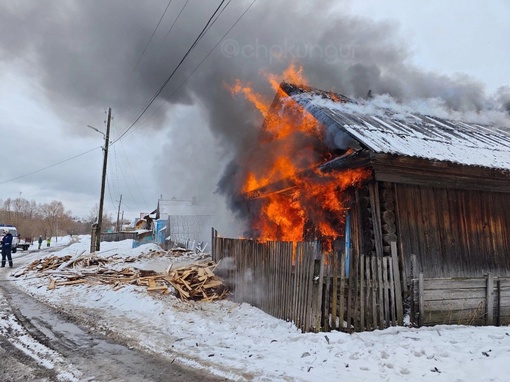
281	186
315	148
408	134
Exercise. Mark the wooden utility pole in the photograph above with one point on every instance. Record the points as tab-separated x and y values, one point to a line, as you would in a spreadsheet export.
96	230
118	213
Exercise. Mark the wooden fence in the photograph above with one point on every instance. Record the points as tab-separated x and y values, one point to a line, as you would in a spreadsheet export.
267	276
462	301
297	282
118	236
370	298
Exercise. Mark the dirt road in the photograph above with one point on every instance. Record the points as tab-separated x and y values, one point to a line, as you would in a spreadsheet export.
38	343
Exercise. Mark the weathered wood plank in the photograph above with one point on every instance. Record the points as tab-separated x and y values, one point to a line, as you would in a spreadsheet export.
397	280
490	300
391	281
376	218
374	292
380	287
355	293
318	288
342	314
421	300
386	298
464	317
334	297
454	293
457	304
350	288
362	301
459	283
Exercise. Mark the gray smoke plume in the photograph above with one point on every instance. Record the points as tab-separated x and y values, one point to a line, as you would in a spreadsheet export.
85	54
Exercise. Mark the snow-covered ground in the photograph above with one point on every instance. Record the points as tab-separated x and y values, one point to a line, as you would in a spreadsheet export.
242	343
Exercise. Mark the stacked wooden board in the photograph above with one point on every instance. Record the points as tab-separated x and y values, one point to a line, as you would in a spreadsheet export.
195	281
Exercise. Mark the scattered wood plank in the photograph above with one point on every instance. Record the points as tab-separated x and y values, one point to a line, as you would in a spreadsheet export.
196	281
74	282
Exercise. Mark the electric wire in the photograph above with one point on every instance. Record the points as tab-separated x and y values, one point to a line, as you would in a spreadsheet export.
134	178
152	35
50	166
171	74
209	24
130	167
119	168
201	62
109	192
111	178
177	18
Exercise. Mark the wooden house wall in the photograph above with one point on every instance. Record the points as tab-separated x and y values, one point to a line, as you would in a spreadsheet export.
453	232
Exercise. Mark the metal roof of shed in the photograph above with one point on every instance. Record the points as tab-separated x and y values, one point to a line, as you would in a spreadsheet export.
415	135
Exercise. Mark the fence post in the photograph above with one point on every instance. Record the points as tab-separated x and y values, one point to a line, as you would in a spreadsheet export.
490	300
213	245
397	281
318	280
421	304
334	298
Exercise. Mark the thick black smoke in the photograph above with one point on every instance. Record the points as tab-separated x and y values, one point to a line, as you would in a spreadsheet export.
84	54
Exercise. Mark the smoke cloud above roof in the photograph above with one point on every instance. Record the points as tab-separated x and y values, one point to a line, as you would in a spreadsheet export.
87	55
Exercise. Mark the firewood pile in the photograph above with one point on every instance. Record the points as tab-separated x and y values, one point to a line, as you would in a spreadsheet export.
48	263
196	281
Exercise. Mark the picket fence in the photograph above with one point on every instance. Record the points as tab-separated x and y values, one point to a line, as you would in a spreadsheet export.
300	283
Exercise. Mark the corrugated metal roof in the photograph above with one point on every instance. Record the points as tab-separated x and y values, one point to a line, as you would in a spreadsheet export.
417	135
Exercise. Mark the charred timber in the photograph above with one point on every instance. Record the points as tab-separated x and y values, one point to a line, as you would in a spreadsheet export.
349	161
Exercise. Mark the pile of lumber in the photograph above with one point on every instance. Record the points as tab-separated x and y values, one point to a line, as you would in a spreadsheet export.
89	261
48	263
196	281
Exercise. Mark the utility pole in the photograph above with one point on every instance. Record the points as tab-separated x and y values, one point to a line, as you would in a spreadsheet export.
96	229
118	213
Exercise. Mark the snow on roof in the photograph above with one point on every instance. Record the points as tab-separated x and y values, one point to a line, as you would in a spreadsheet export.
402	131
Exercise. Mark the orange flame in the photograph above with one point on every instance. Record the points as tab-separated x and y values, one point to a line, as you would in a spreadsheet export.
290	148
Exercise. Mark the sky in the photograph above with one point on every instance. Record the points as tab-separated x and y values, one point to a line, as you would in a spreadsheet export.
242	343
63	66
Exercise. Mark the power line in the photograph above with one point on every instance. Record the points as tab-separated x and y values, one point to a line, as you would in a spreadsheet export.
206	28
201	62
219	14
177	18
50	166
152	35
171	74
134	178
130	167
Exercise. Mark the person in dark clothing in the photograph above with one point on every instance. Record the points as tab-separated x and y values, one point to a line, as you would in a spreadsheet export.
40	241
6	248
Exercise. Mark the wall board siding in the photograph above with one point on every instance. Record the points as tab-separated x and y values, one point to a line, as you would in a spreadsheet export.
467	301
454	232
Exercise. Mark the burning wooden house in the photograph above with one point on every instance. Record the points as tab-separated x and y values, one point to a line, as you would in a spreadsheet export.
437	187
376	183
